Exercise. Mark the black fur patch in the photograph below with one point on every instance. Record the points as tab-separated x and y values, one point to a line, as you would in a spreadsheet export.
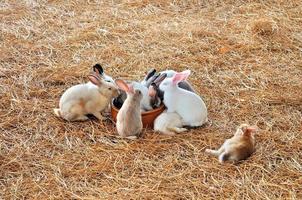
98	69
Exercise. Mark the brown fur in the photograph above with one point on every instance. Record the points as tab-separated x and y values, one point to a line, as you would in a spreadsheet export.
129	120
237	148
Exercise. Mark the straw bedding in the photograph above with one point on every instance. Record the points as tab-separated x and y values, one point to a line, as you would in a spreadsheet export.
245	58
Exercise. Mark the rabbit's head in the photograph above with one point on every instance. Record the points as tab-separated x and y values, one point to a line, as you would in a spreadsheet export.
246	130
107	89
170	83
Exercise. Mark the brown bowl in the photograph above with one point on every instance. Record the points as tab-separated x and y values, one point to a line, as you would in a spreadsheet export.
147	117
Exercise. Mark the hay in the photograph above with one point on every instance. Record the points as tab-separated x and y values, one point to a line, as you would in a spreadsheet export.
246	63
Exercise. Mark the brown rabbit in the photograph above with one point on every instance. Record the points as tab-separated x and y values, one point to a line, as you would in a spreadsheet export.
129	120
237	148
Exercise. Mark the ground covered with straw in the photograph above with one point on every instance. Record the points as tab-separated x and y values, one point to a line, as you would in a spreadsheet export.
245	58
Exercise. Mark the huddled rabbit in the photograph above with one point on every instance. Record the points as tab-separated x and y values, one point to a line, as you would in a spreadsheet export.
148	102
169	123
188	105
156	94
90	98
129	120
237	148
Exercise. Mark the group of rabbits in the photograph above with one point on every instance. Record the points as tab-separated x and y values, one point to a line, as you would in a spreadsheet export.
184	107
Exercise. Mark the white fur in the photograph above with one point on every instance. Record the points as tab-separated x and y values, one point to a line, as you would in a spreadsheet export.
169	72
108	78
187	104
145	102
80	100
169	123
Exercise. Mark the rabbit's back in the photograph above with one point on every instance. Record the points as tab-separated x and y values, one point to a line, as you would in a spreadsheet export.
76	92
129	121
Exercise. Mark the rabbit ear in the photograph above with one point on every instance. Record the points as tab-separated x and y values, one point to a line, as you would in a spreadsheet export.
160	78
130	89
150	73
97	68
124	86
94	79
248	131
178	77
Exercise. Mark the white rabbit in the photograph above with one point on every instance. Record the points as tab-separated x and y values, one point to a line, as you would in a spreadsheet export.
169	123
129	120
90	98
145	103
187	104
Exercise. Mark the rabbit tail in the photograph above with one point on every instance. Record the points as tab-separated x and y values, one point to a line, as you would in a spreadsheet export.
57	112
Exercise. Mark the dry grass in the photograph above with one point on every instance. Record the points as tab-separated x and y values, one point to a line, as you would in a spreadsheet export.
246	62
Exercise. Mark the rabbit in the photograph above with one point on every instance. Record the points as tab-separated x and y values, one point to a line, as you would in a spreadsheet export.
187	104
156	95
129	120
237	148
183	84
82	99
169	123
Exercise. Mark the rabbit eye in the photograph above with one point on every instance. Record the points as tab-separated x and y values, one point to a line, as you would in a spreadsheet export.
108	81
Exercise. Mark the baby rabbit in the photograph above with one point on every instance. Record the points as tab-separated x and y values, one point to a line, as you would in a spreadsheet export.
169	123
188	105
90	98
237	148
129	120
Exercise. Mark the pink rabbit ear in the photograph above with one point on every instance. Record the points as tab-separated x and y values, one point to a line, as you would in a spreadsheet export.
130	89
122	85
178	77
94	79
250	130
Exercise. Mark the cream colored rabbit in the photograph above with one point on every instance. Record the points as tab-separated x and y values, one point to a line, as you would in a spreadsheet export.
90	98
129	120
